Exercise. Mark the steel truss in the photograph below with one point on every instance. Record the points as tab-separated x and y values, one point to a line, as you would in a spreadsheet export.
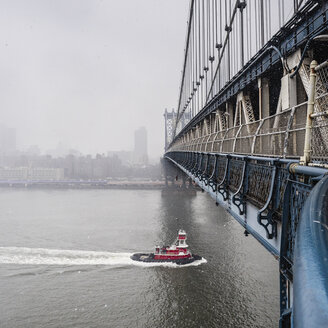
311	20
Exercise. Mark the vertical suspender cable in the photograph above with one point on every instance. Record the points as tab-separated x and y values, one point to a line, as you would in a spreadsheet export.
241	36
234	48
279	9
237	50
184	68
217	82
191	67
226	28
217	42
232	51
199	55
227	31
213	42
231	32
188	73
194	63
225	45
191	72
204	51
207	9
196	56
189	76
195	59
229	42
208	42
269	19
256	30
261	21
219	48
249	31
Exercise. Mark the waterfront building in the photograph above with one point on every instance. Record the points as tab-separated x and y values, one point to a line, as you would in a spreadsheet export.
31	174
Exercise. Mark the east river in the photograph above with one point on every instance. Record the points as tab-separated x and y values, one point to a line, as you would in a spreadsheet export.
64	262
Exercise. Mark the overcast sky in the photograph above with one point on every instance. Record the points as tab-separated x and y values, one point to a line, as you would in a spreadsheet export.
88	73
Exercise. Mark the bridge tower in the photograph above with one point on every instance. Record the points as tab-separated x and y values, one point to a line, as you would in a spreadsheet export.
170	121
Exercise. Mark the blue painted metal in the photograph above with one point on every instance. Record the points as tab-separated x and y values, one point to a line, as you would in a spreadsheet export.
307	170
311	261
222	177
238	198
274	191
267	220
220	201
212	178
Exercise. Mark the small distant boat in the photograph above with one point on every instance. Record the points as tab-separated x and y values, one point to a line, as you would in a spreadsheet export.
177	253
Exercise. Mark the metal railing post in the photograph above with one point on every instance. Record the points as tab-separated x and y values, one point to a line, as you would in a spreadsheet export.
310	108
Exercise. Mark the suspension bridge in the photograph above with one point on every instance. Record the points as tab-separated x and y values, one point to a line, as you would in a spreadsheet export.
251	129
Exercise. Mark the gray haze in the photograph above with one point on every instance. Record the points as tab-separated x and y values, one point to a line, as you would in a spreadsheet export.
88	73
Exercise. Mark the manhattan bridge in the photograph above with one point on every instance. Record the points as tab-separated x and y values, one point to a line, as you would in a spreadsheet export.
251	129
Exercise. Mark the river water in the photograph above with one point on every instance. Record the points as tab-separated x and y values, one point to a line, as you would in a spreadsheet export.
64	262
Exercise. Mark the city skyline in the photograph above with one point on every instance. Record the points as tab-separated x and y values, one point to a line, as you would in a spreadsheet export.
88	73
137	153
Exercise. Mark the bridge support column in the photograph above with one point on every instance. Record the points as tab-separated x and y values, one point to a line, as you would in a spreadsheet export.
310	109
288	92
264	97
229	111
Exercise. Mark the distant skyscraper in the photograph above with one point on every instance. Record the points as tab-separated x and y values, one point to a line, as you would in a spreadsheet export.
7	140
140	146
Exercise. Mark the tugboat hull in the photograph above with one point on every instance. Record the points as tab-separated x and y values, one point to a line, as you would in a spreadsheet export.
150	257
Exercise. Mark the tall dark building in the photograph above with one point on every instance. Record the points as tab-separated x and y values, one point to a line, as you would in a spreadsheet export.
140	154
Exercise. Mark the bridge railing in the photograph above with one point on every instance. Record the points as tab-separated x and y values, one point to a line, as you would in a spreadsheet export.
274	192
280	135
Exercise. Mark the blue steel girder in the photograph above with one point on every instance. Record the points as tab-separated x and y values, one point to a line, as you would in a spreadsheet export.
264	186
311	261
311	20
231	182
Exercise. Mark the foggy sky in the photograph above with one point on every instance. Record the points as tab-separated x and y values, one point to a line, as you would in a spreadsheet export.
88	73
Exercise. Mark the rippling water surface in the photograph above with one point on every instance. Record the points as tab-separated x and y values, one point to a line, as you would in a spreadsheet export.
65	262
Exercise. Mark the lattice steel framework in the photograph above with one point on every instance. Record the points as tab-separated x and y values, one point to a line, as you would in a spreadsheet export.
230	44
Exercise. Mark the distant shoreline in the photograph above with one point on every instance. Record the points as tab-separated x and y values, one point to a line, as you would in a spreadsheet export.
130	185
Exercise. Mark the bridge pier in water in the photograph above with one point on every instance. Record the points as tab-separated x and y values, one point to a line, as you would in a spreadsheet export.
176	180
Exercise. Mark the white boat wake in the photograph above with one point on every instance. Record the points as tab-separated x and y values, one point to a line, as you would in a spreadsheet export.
45	256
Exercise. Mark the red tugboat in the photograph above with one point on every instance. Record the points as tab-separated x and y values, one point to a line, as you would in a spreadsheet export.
177	253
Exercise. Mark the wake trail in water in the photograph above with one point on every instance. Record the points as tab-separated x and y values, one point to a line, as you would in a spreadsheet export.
45	256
